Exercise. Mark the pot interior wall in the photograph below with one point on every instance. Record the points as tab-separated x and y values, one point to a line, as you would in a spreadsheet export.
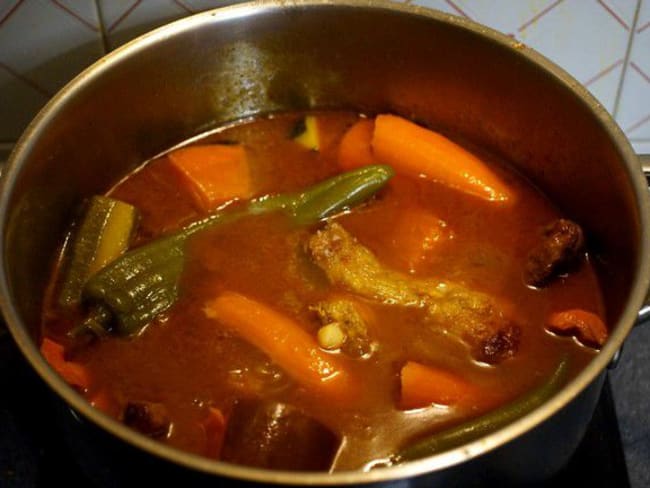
219	68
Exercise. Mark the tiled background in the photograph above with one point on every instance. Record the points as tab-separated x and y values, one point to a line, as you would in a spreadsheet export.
605	44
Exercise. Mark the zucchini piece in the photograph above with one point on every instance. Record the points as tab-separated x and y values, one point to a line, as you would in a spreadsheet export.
306	133
103	234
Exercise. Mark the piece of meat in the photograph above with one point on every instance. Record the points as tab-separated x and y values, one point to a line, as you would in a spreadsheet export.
348	316
560	249
149	418
463	314
277	436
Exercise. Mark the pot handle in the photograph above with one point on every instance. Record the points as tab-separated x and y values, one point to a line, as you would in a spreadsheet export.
643	317
644	313
4	333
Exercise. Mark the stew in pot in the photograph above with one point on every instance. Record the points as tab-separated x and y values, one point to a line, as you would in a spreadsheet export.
321	291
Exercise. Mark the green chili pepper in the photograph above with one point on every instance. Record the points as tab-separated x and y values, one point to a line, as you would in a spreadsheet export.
103	234
129	292
485	424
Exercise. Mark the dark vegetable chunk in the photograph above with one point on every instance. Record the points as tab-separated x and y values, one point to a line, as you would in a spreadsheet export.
560	249
149	418
277	436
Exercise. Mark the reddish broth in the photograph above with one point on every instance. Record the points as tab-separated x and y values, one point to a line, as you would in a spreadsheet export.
190	363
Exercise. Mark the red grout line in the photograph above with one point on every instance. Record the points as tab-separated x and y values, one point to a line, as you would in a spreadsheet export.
26	80
638	124
457	9
636	68
614	14
11	11
643	27
123	16
75	15
539	15
183	6
602	73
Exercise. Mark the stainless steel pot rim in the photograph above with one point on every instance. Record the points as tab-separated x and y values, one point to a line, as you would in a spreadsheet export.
414	468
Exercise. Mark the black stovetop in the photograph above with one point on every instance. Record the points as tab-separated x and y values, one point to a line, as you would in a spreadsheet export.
37	451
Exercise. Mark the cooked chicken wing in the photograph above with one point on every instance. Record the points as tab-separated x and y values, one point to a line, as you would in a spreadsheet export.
457	311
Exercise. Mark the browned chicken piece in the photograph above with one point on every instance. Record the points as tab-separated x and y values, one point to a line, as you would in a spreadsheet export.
149	418
561	246
469	316
347	317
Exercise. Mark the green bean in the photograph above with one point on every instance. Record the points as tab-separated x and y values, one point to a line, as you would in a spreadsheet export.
143	283
487	423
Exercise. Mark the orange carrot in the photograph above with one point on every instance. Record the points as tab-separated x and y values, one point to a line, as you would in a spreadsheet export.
586	326
355	149
104	401
285	342
417	232
75	374
415	151
214	426
424	385
213	173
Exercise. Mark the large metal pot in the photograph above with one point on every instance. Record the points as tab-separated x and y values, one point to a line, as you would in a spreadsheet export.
373	57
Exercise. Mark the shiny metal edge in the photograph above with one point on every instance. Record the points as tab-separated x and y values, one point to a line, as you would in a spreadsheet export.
410	469
644	313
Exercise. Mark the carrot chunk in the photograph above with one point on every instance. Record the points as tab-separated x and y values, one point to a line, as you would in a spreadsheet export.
285	342
418	152
416	234
73	373
424	385
587	327
214	426
103	400
355	149
213	173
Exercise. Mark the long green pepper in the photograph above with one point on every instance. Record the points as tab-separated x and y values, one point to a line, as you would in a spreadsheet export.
132	290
